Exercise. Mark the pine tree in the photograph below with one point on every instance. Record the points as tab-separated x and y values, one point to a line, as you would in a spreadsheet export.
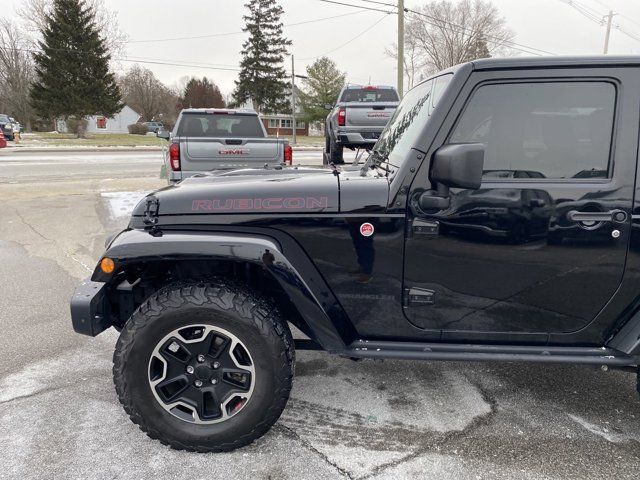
262	78
201	94
322	87
479	48
73	77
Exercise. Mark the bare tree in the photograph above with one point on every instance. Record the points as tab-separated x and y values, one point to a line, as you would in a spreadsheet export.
16	72
414	60
34	16
147	95
448	33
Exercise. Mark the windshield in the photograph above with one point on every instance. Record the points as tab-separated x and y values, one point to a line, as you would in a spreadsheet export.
220	125
369	94
409	120
4	118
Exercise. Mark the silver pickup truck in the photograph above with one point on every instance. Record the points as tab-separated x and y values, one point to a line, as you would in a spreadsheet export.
212	139
357	119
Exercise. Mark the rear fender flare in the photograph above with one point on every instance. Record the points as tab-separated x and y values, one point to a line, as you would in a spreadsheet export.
294	271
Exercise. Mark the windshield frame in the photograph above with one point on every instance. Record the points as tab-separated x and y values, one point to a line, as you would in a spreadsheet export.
396	163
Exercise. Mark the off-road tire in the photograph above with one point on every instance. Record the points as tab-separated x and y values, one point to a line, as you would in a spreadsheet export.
254	320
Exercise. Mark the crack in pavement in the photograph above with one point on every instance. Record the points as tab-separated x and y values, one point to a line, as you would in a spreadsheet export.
447	438
36	393
31	227
293	434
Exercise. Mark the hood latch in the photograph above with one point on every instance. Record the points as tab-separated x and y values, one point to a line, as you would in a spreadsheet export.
151	211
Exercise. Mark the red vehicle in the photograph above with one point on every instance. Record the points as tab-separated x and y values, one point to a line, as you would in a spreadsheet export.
3	141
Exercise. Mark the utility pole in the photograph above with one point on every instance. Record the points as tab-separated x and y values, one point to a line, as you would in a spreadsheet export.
608	34
293	100
400	47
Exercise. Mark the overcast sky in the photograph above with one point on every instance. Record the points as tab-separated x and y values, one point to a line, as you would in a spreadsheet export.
550	25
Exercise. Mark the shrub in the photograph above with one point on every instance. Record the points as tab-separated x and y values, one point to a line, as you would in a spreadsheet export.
137	129
77	125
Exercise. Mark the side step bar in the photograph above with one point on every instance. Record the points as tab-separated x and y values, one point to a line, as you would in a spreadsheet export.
490	353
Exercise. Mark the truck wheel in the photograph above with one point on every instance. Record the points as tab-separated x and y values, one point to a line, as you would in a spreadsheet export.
204	367
335	152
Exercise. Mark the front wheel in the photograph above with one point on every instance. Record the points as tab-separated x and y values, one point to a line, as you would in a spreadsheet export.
205	367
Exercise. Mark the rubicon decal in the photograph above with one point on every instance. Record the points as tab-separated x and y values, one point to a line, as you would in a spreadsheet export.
378	115
253	204
366	229
234	151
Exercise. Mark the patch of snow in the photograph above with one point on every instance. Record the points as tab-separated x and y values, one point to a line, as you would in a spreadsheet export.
121	204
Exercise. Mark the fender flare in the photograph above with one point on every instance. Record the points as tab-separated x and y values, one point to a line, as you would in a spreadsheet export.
289	265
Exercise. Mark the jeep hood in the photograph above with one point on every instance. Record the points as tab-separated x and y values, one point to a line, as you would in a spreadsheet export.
264	191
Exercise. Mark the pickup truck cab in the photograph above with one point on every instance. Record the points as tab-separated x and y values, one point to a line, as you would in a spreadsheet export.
471	233
209	139
357	119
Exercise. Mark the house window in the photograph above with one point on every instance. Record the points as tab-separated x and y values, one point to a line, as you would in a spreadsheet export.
299	125
286	123
101	122
273	123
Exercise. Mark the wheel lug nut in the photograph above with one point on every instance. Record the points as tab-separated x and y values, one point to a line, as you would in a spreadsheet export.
198	383
200	358
214	381
216	365
189	369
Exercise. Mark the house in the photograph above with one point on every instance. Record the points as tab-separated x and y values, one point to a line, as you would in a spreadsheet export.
282	125
101	124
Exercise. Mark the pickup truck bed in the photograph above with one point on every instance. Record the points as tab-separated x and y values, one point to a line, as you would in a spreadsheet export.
206	140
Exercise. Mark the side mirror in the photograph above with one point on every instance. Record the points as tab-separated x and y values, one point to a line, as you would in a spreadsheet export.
458	165
453	166
163	134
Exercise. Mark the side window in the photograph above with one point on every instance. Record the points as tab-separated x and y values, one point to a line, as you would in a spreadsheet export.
555	130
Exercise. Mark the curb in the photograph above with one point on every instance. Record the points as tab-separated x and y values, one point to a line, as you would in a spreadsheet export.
112	149
78	149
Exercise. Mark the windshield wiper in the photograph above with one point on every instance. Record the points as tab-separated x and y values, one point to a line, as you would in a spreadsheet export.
376	161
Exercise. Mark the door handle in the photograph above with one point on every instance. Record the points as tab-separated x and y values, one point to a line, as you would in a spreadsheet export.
610	216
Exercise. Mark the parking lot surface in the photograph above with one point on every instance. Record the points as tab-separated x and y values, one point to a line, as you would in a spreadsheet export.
60	418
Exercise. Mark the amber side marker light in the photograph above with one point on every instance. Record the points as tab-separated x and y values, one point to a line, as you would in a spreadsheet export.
107	265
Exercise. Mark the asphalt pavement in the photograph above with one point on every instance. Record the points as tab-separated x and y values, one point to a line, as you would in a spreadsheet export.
60	418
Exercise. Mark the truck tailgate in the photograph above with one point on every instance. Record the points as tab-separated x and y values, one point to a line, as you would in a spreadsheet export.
202	154
363	115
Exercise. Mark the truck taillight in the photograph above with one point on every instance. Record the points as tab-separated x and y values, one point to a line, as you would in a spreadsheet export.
174	156
342	116
288	154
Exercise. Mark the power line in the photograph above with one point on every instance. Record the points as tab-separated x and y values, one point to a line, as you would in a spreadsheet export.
348	41
514	45
585	11
380	3
239	32
362	7
628	34
140	60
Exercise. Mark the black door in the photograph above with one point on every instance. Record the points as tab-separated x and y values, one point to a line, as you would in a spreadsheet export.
540	248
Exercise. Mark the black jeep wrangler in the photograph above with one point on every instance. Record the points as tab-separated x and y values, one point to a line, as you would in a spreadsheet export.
496	219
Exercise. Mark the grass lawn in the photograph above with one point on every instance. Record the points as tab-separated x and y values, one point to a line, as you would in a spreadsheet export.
307	141
42	139
92	140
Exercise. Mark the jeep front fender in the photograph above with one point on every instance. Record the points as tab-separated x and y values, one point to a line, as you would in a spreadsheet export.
283	257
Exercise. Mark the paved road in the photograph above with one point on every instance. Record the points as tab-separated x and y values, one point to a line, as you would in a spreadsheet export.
26	166
59	417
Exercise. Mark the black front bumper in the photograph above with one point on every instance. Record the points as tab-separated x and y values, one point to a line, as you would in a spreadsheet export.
90	308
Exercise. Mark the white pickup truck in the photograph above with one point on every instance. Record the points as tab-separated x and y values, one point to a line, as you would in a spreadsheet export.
357	119
213	139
